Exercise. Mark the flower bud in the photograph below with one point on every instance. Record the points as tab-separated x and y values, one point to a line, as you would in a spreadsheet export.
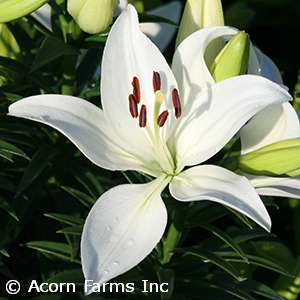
92	16
277	159
233	59
199	14
8	48
14	9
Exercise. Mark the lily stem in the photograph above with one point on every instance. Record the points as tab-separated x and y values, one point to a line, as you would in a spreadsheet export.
68	85
173	236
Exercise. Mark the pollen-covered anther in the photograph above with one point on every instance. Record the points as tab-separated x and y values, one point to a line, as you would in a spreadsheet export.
136	89
176	103
156	81
162	118
143	116
133	107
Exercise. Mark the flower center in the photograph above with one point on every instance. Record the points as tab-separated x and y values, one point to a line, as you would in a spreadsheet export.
138	110
135	101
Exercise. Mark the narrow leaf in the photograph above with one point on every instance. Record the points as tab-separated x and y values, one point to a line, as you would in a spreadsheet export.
51	49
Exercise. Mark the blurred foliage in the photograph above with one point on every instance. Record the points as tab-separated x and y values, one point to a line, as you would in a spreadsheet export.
48	187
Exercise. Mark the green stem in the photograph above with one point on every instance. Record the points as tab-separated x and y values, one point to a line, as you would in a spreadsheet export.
173	236
68	85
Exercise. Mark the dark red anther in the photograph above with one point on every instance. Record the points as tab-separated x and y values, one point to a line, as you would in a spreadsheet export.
156	81
297	95
143	116
136	89
176	103
162	118
133	108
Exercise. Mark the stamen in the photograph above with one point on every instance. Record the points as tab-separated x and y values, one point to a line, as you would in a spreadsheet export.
133	108
143	116
297	95
136	89
156	81
176	103
162	118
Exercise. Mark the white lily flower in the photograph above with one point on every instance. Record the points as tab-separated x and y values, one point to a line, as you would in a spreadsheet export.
157	121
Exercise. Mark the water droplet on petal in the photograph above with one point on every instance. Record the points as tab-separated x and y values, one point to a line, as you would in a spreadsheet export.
129	243
105	272
115	263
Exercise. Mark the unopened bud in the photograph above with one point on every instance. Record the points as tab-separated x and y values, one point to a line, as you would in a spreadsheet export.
277	159
233	59
199	14
92	16
15	9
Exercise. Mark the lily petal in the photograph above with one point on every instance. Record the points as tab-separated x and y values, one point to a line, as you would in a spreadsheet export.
85	125
161	34
122	228
209	182
261	64
272	124
213	119
276	186
119	67
189	65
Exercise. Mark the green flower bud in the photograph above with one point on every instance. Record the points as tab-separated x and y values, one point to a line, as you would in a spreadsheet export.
233	59
199	14
14	9
8	48
92	16
278	159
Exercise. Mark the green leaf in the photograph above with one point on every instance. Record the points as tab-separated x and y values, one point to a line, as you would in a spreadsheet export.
226	238
82	197
74	276
71	220
215	259
23	70
6	185
5	206
38	163
167	277
148	18
76	230
51	49
58	249
7	150
255	260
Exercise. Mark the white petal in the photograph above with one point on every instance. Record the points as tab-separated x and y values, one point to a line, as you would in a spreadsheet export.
43	15
272	124
130	53
122	228
209	182
224	108
161	34
276	186
261	64
189	66
85	125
